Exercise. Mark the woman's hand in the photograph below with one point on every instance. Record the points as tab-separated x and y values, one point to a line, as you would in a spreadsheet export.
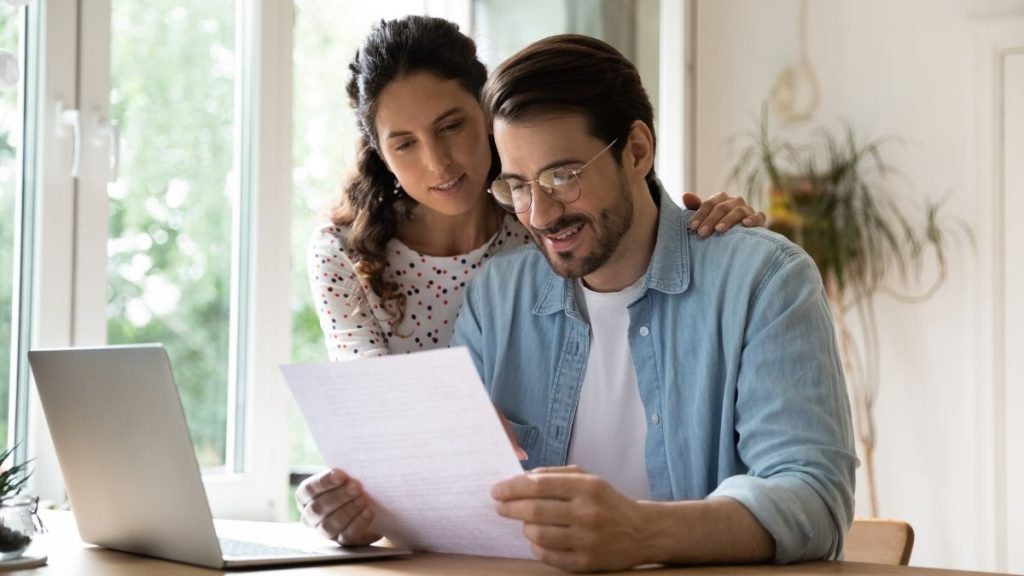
335	504
720	212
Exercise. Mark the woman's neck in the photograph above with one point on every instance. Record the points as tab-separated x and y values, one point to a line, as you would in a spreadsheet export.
435	234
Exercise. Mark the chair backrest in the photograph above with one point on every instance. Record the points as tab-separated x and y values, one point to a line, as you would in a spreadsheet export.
877	541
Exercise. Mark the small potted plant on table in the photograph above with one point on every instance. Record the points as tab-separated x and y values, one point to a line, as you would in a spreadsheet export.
18	520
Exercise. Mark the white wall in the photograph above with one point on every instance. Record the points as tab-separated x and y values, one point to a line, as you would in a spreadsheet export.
907	68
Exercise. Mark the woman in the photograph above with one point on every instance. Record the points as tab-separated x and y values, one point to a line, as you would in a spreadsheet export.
415	222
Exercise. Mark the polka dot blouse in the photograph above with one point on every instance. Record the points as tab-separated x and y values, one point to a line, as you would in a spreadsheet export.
352	318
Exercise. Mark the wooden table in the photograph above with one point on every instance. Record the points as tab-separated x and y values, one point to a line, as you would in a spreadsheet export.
69	555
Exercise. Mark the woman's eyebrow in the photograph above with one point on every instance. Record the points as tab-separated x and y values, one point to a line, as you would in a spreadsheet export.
440	118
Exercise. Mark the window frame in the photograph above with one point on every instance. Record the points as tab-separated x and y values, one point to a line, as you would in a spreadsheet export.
72	228
24	211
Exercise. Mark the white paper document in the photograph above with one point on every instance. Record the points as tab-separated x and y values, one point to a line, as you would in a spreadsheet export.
421	434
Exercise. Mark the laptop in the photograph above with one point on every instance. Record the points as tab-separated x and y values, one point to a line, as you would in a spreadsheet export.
130	469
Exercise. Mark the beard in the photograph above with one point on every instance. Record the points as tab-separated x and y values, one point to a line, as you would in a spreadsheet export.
609	229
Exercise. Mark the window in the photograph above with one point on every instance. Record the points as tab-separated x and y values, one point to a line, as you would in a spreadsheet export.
177	215
18	69
10	144
172	96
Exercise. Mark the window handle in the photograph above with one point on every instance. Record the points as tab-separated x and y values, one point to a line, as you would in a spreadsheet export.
68	118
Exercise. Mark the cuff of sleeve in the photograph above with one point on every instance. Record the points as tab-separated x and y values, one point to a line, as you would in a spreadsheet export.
791	511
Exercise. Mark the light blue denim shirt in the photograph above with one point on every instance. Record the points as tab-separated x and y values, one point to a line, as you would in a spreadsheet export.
737	366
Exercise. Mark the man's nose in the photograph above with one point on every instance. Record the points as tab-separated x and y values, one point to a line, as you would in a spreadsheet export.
544	209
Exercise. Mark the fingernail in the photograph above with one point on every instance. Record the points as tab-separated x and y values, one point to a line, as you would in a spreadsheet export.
748	220
694	224
705	230
720	227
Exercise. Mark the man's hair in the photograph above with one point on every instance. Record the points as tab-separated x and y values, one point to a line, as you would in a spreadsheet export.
575	74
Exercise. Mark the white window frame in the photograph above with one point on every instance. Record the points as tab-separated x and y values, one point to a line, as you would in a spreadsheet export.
71	235
260	491
54	211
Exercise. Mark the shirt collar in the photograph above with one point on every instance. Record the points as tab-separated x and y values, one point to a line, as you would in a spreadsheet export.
668	272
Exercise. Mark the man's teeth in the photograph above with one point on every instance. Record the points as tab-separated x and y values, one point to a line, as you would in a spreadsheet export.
567	234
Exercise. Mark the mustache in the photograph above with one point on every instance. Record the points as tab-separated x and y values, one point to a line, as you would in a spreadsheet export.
560	224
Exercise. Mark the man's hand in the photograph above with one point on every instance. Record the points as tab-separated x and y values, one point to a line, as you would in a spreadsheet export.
336	505
720	212
575	521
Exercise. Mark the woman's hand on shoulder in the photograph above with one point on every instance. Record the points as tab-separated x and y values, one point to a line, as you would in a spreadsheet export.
720	212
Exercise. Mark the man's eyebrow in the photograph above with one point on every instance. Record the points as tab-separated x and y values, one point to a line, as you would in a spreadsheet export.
554	164
440	118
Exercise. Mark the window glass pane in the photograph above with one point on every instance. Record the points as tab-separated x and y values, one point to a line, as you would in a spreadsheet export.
327	34
502	28
10	141
631	26
169	273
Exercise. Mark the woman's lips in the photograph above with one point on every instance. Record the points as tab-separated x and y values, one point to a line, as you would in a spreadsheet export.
450	186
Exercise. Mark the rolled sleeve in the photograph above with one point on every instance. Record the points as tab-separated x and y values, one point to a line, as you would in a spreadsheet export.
793	418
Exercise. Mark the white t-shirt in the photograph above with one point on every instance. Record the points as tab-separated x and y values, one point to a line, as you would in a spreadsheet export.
609	428
351	317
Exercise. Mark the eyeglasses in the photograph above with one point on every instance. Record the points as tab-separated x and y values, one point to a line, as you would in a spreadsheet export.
561	184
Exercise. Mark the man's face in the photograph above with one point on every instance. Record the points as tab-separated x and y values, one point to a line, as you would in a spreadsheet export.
578	237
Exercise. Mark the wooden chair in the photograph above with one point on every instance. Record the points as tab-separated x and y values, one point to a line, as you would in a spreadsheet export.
877	541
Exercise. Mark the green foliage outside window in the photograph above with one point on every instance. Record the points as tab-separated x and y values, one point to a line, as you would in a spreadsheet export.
173	67
9	117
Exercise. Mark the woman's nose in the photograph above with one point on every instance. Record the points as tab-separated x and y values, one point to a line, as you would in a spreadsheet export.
438	157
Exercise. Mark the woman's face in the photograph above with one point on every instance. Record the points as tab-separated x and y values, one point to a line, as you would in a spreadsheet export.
433	137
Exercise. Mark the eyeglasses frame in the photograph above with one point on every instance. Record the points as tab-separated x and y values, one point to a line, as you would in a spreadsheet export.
548	190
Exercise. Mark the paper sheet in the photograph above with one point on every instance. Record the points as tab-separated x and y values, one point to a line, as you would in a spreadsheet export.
421	434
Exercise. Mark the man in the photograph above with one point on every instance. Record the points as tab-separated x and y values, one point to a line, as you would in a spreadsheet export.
680	400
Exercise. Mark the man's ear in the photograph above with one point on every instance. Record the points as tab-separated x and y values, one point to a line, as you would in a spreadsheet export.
639	150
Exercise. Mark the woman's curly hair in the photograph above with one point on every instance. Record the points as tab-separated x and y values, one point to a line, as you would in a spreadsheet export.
371	205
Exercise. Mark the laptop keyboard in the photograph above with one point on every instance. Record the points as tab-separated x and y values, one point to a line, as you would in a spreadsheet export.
243	548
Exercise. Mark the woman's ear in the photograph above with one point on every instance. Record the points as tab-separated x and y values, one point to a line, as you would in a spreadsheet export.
640	148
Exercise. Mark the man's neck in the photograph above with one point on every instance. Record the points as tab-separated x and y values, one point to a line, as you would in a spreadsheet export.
630	260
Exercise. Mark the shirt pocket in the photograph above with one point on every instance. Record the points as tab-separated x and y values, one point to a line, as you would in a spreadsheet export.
526	435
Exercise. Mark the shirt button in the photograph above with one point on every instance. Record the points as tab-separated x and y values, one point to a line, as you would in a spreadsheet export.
655	418
644	330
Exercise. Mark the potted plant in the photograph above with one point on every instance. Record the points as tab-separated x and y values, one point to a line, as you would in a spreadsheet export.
18	520
832	196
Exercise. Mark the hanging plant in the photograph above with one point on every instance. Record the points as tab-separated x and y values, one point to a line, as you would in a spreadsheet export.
832	196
